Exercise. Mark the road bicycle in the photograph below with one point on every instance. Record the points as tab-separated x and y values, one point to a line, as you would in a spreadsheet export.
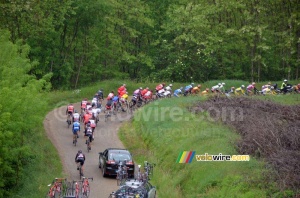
124	106
122	174
148	168
69	120
57	188
85	187
75	137
88	144
76	187
116	107
80	170
107	114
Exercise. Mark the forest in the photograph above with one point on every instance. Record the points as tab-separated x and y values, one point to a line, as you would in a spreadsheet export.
81	42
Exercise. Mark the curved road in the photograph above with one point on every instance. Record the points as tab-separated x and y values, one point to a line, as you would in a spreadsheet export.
105	137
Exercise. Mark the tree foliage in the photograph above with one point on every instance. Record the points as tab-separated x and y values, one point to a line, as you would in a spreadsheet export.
20	94
85	41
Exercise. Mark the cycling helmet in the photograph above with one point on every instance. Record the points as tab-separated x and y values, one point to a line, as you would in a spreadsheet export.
206	89
299	85
88	124
141	88
80	151
75	111
223	83
232	87
219	84
163	84
272	87
253	83
170	85
124	85
243	86
199	86
285	80
269	83
192	84
147	88
126	92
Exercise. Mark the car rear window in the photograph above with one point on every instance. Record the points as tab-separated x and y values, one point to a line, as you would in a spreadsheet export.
119	156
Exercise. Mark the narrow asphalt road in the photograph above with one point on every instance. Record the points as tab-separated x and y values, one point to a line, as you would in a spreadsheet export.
105	137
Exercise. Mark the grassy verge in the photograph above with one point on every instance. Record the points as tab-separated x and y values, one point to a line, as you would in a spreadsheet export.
160	131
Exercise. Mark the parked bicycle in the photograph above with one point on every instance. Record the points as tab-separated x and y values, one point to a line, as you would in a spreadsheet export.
122	174
85	188
56	188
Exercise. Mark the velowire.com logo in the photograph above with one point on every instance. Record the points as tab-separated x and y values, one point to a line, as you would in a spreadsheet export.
187	157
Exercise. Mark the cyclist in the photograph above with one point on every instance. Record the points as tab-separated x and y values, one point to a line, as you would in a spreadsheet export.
100	95
265	86
284	86
124	99
148	95
240	90
76	116
108	105
188	89
297	88
96	111
144	91
231	91
160	93
222	88
196	89
75	129
122	89
177	92
266	90
205	92
93	125
110	95
88	133
95	100
169	88
159	87
216	88
70	111
115	100
250	88
80	158
86	118
83	104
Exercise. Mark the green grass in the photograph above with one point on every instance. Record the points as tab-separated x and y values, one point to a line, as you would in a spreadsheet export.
158	135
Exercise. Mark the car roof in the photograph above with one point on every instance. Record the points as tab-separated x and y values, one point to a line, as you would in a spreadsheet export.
117	149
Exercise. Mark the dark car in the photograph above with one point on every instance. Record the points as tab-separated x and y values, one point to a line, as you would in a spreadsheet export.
134	188
112	157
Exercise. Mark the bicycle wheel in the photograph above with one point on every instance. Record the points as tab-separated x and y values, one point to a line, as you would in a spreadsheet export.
88	144
75	140
86	192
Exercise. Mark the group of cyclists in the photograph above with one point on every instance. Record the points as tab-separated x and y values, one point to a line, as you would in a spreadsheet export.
89	115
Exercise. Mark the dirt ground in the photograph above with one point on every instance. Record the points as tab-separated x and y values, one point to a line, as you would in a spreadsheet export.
105	137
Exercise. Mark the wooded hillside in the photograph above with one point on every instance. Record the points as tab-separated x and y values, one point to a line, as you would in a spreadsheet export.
91	40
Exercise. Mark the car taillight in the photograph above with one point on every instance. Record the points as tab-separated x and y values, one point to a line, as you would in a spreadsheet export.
129	163
110	162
